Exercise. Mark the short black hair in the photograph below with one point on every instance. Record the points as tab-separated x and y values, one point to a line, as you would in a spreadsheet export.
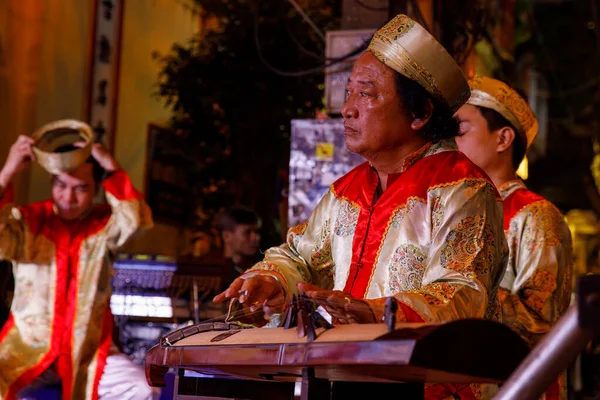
415	101
496	121
97	171
237	215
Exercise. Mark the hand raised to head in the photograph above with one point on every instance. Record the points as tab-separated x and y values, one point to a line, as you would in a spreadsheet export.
19	157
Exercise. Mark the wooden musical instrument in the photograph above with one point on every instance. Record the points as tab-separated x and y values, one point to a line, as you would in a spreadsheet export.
464	351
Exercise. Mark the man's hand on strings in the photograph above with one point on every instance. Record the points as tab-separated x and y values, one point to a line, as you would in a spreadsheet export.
255	292
340	305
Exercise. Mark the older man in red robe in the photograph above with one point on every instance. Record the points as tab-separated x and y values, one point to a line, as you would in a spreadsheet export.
418	222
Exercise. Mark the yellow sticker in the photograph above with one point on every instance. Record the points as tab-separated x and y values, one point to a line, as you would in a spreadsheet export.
324	151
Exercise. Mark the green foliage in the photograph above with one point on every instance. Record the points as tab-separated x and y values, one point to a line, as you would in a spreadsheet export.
237	112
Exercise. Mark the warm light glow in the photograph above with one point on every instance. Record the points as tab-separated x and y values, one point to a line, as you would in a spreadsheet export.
523	170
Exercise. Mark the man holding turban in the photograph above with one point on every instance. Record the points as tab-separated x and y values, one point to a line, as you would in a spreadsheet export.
60	326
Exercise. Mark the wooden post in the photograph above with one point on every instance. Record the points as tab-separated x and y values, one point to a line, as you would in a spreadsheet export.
314	388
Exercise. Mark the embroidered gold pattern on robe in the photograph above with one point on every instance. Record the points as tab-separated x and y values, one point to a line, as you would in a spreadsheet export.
466	251
402	211
321	254
536	287
406	271
437	293
437	214
346	219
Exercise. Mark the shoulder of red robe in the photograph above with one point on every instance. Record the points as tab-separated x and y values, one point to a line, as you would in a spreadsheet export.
518	200
36	214
441	169
119	185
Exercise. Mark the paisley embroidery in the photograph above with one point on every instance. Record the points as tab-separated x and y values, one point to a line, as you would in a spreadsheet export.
542	227
321	257
466	251
475	186
295	233
437	293
402	212
407	269
437	214
346	220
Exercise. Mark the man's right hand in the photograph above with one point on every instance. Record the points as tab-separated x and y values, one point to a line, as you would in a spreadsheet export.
254	292
19	158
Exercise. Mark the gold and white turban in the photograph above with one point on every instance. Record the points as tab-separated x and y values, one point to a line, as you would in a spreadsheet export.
407	47
492	93
54	134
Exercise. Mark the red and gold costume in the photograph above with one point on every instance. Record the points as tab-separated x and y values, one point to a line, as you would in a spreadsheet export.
60	315
433	240
536	288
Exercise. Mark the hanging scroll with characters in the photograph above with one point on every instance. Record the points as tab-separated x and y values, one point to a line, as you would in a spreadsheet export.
104	70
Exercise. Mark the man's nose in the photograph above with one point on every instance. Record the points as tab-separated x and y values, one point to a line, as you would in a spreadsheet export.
349	110
70	196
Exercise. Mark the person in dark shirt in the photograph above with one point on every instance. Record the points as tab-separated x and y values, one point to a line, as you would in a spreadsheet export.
240	233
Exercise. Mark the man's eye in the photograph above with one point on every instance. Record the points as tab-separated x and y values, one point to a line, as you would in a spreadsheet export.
364	94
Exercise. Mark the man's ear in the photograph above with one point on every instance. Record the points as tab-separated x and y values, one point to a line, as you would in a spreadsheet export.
505	137
419	122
